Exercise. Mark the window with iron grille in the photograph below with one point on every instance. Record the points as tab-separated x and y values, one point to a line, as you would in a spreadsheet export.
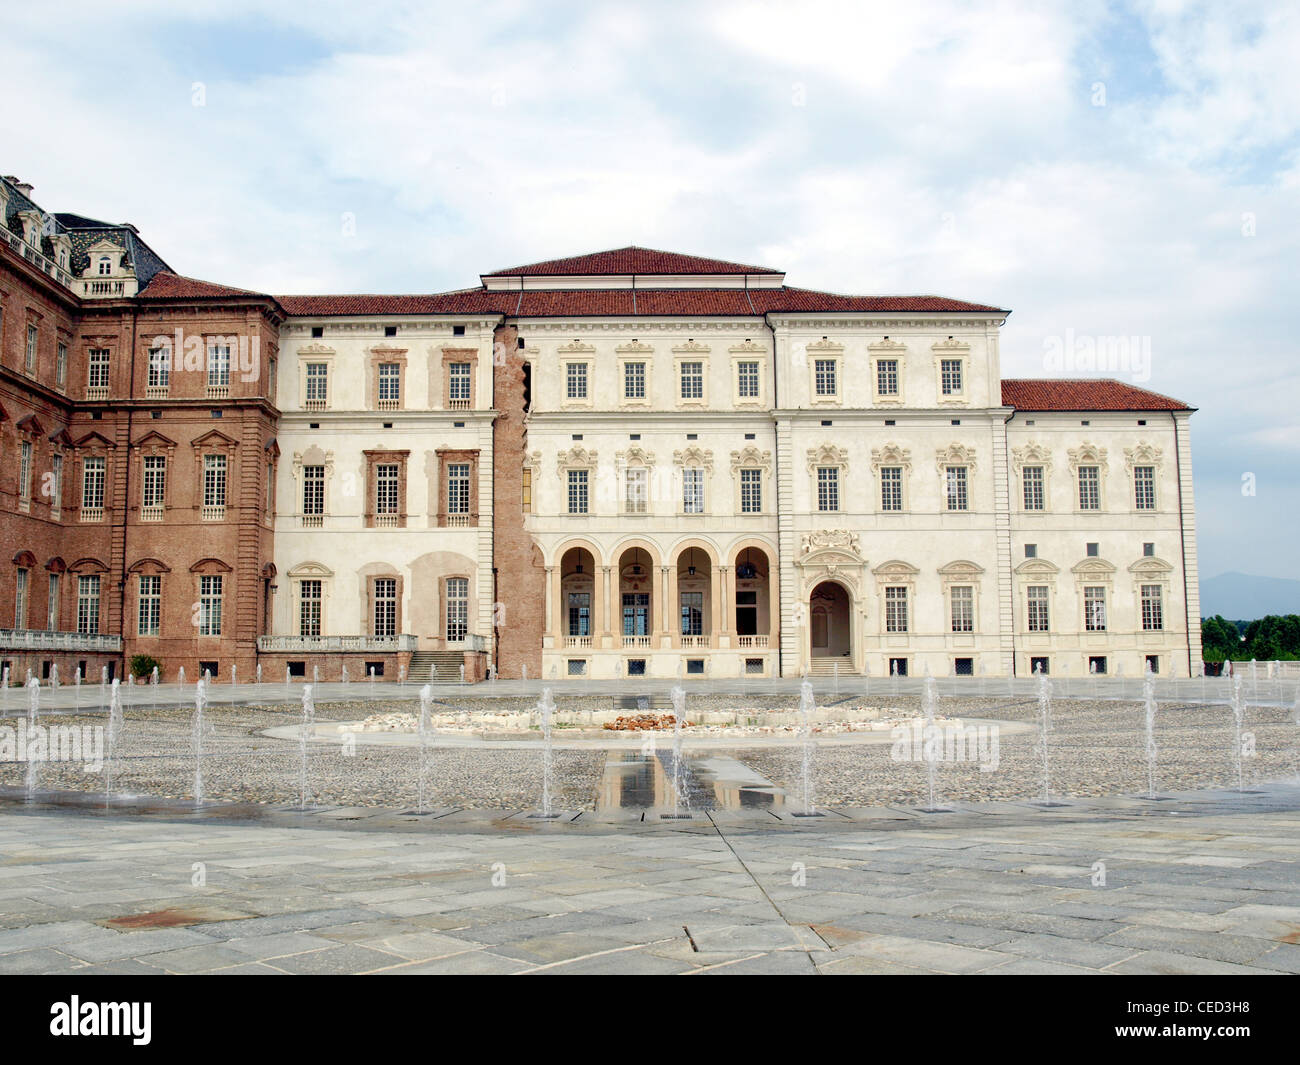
575	377
458	382
92	483
20	599
887	377
1038	616
577	491
950	373
154	483
149	606
1094	608
390	382
210	593
313	491
1144	487
385	606
386	485
1032	479
317	383
634	380
97	372
957	498
963	608
692	491
751	491
1089	488
214	480
747	380
160	368
458	488
309	607
828	488
824	377
891	488
692	380
635	491
457	607
88	604
219	366
896	608
1153	612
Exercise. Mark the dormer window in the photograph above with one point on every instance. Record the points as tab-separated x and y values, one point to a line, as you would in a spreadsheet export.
105	266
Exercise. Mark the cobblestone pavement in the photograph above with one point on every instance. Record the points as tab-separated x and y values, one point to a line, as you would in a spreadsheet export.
1204	882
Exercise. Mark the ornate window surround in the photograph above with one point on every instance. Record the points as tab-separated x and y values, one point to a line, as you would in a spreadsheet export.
887	349
951	349
691	351
576	352
821	351
748	351
1032	454
634	351
751	458
892	455
1144	454
1088	454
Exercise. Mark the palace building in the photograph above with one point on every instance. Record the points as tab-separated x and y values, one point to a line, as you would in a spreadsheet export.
628	463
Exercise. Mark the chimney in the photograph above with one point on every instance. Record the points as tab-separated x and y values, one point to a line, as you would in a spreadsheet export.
21	186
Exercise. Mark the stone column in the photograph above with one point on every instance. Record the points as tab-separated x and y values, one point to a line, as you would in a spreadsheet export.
716	590
611	582
728	606
663	629
552	599
599	623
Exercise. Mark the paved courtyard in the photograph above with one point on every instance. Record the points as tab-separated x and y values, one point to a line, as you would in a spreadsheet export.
1203	882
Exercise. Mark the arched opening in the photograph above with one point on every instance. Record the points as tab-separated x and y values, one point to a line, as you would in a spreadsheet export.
694	597
829	628
577	597
636	597
753	598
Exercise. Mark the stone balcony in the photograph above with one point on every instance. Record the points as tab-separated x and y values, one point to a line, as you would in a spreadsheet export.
49	640
327	644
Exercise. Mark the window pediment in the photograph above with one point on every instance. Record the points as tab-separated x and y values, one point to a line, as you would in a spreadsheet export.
891	455
1037	569
214	438
691	347
955	455
577	457
694	457
961	571
315	350
94	442
750	457
827	455
310	570
635	456
1087	454
635	347
1033	454
1143	455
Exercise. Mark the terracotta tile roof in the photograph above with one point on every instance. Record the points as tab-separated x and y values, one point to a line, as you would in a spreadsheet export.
1045	394
464	301
166	285
630	260
802	299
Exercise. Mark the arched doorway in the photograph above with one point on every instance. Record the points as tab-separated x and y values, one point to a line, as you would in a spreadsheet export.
830	621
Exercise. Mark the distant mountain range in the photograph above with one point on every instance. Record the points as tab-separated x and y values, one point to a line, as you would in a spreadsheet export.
1243	597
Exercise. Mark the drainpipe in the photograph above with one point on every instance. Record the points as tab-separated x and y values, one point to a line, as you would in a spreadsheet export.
1011	558
126	497
776	468
1182	546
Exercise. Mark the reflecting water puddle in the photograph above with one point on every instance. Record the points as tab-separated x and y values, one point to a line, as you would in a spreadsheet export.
644	780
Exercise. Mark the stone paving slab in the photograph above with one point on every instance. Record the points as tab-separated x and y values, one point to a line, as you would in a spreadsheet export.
1199	884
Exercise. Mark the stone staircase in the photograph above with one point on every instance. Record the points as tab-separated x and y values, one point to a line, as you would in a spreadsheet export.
825	667
442	667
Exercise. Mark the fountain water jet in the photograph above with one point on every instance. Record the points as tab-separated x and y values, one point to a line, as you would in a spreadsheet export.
304	737
426	697
196	738
1044	733
54	676
679	718
115	724
930	748
807	707
1238	713
1149	699
546	708
33	715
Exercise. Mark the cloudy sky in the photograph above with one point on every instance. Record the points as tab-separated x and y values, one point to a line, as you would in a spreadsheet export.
1103	169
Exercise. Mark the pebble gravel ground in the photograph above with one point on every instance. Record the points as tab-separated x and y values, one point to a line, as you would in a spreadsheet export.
1096	749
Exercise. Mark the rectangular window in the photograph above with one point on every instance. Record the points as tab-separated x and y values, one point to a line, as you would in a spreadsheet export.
92	484
950	376
457	607
149	614
1094	608
20	599
218	369
30	360
214	487
52	605
636	614
25	475
887	377
88	604
317	386
577	491
385	606
751	491
61	366
1038	616
692	605
575	380
957	498
1089	488
963	608
458	384
692	380
309	608
527	489
579	614
828	488
1144	487
313	494
747	380
386	490
56	500
692	491
1153	612
634	380
896	608
210	589
891	488
458	488
1032	478
824	377
160	372
636	491
97	373
153	487
390	385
